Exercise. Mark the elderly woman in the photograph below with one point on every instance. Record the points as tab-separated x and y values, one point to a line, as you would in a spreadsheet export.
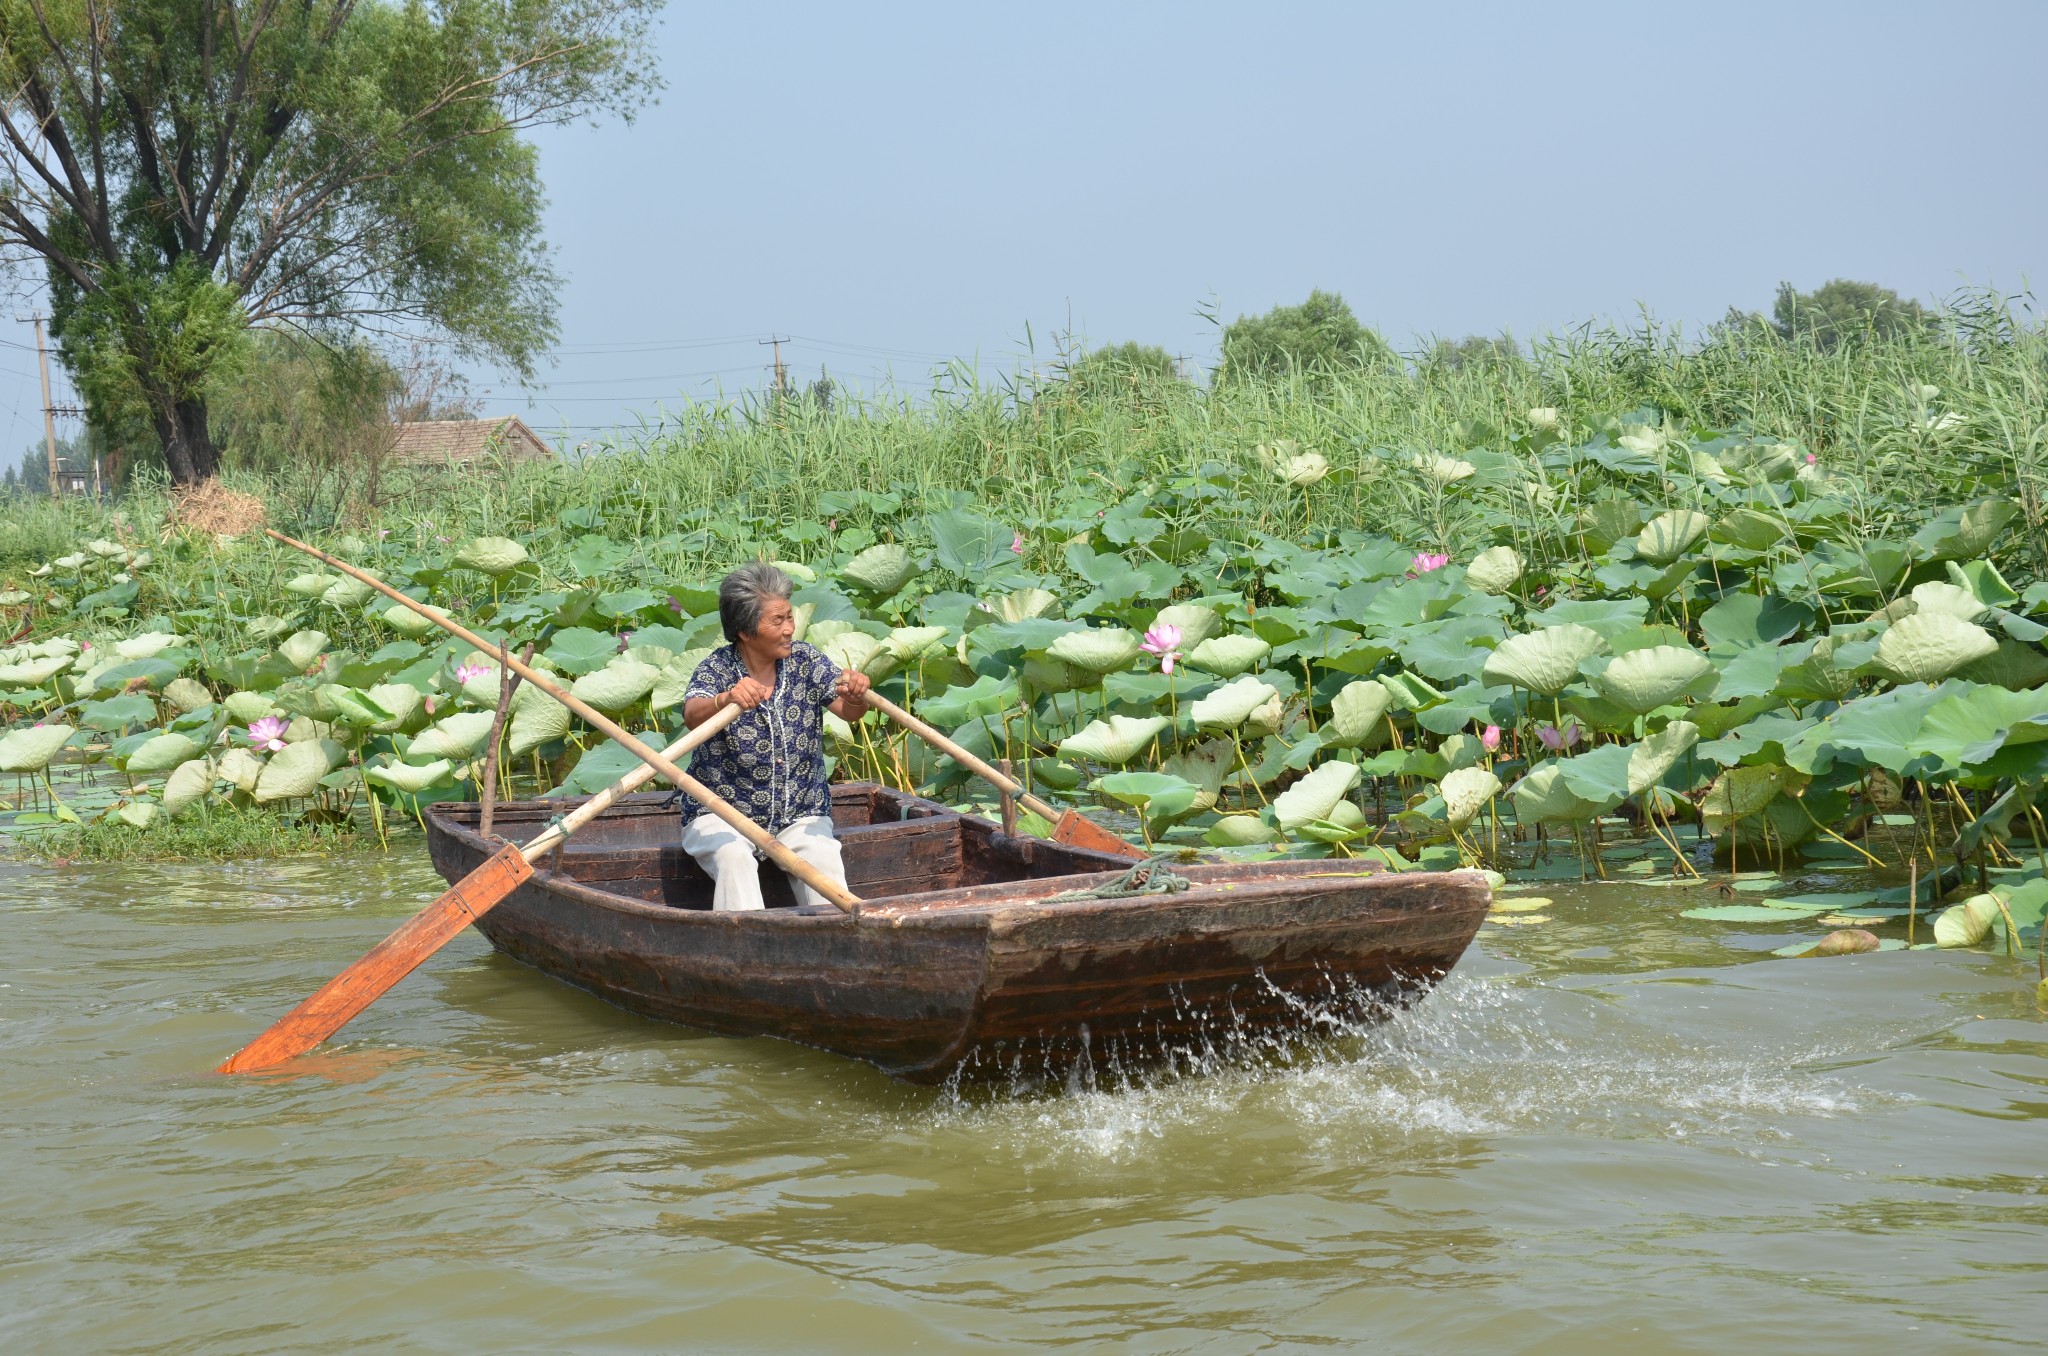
770	763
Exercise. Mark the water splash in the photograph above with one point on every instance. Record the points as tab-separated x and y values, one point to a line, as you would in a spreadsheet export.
1480	1059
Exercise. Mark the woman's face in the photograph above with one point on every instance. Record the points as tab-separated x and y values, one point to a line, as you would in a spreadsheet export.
773	635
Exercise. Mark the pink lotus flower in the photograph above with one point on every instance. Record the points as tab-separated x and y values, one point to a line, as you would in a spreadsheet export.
1811	459
430	704
674	606
466	672
1425	561
268	733
625	641
1164	641
1489	739
1017	543
1556	740
382	533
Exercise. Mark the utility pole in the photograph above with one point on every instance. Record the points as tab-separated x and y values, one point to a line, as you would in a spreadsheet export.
778	341
49	411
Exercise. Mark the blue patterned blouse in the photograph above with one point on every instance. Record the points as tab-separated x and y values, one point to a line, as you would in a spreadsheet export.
770	763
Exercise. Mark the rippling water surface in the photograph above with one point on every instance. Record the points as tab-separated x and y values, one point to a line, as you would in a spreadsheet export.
1619	1131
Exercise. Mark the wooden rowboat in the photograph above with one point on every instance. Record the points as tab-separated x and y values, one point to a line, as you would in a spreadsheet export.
958	956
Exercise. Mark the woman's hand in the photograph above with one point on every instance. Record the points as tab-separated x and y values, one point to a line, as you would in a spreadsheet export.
749	693
852	688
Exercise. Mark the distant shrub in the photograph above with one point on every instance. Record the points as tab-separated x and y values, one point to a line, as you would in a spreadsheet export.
1319	335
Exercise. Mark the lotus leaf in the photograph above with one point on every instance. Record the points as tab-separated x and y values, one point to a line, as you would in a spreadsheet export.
861	651
1541	796
1937	597
304	728
241	767
1495	569
33	672
1445	470
1750	913
541	723
1207	764
405	621
1117	740
577	649
161	754
188	784
309	585
1750	529
296	771
1542	661
1315	795
879	570
1355	713
72	561
457	736
1649	760
1023	603
146	645
617	685
1238	831
1232	704
410	778
32	749
247	707
1741	792
1670	535
1967	923
1266	718
2015	666
1101	650
491	555
302	649
1195	621
1159	796
1050	676
1229	656
139	814
1643	680
400	701
1465	792
186	695
1927	647
348	593
908	644
264	627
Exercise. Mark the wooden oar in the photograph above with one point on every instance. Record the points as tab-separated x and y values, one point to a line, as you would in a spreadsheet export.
1071	827
337	1002
774	851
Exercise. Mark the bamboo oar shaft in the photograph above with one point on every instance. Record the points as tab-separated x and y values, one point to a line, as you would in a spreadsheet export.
775	852
334	1004
977	766
544	843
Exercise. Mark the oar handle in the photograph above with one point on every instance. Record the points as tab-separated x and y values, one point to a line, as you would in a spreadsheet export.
977	766
703	795
544	843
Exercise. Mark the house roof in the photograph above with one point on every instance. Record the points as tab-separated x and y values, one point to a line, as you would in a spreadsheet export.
453	442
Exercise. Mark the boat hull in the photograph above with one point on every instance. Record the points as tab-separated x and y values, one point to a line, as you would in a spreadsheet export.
958	957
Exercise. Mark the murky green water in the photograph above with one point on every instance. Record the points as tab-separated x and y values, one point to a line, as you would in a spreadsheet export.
1614	1132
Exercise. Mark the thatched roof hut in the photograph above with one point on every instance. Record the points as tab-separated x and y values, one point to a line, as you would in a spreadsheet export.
458	442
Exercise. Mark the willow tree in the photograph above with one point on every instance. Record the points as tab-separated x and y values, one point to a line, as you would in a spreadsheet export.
185	170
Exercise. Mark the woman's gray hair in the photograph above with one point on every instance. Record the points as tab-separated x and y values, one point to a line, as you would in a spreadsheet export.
743	593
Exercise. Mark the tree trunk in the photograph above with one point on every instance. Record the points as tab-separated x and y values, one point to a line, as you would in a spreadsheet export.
188	446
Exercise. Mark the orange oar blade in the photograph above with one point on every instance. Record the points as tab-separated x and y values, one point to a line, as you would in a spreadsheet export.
1077	830
391	960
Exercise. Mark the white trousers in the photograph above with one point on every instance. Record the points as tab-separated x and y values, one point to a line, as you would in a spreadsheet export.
734	867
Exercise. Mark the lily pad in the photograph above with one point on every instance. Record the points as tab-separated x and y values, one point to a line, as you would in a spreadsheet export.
1542	661
1117	740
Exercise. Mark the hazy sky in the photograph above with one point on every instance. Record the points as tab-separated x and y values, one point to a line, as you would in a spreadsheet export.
892	185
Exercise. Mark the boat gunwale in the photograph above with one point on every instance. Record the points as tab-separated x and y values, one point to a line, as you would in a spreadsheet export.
976	905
